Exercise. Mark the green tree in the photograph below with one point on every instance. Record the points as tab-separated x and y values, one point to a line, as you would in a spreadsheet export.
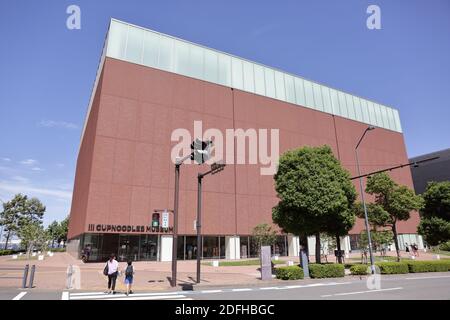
20	212
382	238
63	229
393	203
10	217
33	213
435	215
32	234
53	231
315	192
264	235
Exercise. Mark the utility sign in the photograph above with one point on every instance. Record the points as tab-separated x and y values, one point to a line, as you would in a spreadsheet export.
165	219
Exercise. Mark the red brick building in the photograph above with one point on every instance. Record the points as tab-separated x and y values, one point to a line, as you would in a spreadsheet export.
148	85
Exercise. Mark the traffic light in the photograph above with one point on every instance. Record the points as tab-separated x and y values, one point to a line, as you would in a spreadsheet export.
155	220
201	151
217	167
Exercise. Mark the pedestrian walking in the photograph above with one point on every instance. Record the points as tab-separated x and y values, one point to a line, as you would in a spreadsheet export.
112	271
415	249
406	247
129	273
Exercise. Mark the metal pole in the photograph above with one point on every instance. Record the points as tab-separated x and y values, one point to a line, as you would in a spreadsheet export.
175	225
1	231
25	276
199	225
33	269
366	219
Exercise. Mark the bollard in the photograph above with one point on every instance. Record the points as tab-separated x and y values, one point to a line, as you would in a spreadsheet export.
33	269
25	276
69	277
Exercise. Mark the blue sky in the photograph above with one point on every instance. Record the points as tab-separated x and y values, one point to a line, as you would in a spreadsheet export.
47	71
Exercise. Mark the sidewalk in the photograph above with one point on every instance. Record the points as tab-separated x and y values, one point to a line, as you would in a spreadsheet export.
51	273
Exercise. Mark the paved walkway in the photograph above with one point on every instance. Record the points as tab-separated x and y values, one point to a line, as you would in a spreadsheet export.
51	273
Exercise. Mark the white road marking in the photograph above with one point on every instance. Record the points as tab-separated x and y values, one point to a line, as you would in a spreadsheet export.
268	288
20	295
422	278
173	297
65	295
241	289
360	292
210	291
86	293
122	295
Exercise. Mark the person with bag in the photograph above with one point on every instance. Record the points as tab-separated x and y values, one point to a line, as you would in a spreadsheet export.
111	270
129	273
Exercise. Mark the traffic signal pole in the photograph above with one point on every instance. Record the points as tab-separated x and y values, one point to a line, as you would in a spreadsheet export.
175	226
215	168
200	153
199	225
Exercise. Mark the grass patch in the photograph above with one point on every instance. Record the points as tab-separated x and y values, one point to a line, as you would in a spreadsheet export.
441	252
24	258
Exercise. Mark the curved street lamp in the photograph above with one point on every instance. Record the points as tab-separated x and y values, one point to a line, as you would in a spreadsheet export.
372	265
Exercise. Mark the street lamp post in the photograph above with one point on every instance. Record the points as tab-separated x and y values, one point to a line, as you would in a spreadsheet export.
372	265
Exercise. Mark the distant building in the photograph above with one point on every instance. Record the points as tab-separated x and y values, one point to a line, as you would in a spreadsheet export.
436	170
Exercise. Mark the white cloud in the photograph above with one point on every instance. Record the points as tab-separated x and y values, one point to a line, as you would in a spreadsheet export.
27	189
57	124
6	159
20	179
60	165
37	169
29	162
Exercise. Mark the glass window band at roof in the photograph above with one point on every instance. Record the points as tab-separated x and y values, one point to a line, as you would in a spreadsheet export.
175	55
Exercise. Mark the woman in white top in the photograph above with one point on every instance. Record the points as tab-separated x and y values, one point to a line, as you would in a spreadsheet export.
113	271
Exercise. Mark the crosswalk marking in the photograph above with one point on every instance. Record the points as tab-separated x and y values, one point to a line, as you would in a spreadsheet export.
175	297
20	295
121	296
181	295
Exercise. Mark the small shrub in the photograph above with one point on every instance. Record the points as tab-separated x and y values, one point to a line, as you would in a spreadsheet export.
445	246
393	267
289	273
359	269
58	249
326	270
429	266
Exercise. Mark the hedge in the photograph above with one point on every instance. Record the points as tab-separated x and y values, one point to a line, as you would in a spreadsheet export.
429	266
7	252
326	270
393	267
360	269
57	250
289	273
